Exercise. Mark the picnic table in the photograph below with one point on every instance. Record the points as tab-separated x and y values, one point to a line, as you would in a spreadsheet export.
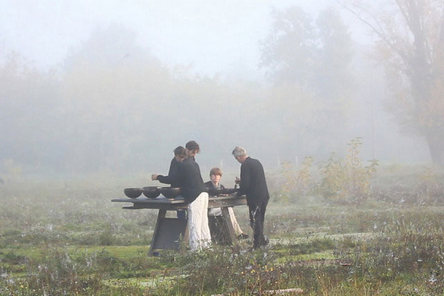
170	231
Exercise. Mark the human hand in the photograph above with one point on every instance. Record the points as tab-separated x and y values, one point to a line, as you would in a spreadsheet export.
237	180
154	177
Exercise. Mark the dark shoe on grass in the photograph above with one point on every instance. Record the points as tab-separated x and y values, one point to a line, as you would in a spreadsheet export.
242	236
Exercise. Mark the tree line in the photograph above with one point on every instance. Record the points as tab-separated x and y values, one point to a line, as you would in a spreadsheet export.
113	106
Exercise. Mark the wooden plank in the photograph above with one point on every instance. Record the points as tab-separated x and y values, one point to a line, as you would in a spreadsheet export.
160	216
231	202
219	232
228	224
150	200
174	204
170	233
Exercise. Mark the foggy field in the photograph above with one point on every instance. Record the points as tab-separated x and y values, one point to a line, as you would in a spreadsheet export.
342	101
68	238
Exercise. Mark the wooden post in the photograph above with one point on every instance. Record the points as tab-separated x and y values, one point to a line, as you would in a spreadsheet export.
160	217
228	223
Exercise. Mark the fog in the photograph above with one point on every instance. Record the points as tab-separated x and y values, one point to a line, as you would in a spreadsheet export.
107	87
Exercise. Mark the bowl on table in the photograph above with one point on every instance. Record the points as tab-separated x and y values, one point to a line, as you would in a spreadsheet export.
170	192
151	191
132	192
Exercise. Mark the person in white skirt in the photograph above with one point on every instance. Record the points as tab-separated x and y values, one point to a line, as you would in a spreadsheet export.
193	192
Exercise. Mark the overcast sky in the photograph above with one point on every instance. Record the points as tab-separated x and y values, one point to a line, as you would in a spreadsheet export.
211	36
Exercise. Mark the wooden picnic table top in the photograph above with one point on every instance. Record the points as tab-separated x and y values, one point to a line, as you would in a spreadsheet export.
163	203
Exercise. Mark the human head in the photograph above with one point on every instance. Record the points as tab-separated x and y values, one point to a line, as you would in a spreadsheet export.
192	148
240	154
215	175
180	153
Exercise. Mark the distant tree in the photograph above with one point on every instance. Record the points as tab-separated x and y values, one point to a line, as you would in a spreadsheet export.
314	54
308	61
290	49
29	123
333	76
112	92
124	109
410	43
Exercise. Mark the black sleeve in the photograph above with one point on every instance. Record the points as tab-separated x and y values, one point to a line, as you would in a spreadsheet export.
245	177
173	174
173	167
165	179
210	188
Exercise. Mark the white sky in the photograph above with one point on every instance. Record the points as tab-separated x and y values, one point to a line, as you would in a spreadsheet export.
211	36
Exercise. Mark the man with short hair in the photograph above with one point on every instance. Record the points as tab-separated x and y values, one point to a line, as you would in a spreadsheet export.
180	153
252	183
192	148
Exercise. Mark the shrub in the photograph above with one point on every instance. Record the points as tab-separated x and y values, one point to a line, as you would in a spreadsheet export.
347	179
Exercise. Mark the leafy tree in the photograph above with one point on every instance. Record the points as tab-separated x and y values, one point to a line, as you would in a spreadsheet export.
123	106
410	42
289	50
314	54
308	61
112	92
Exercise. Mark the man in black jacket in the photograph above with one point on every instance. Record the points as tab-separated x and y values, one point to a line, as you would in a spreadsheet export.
193	191
179	154
253	185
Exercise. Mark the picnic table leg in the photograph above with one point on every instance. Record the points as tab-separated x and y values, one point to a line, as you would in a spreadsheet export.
160	217
228	224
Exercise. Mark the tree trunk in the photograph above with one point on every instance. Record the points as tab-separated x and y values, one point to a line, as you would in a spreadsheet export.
435	141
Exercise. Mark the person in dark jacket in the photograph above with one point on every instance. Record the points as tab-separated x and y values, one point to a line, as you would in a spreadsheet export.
252	183
193	191
179	152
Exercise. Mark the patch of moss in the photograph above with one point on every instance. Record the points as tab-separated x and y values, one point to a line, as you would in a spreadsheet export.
325	255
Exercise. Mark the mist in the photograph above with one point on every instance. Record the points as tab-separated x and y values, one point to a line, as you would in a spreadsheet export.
111	88
341	102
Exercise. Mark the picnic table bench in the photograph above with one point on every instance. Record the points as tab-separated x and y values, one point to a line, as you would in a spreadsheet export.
169	231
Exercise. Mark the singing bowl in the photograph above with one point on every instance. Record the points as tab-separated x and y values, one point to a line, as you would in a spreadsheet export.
132	192
151	191
170	192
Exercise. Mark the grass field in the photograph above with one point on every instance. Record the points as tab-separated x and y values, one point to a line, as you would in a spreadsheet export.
67	238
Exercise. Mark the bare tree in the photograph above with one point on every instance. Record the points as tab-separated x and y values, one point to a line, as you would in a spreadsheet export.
410	36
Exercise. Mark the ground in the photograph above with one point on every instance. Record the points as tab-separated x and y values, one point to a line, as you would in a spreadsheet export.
59	238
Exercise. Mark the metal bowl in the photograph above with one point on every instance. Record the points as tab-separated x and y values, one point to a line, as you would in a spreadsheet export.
132	192
170	192
151	191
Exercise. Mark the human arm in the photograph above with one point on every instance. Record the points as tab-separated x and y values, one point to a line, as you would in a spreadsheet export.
161	178
173	174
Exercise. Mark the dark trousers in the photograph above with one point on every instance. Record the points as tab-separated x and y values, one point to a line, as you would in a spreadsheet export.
257	216
182	214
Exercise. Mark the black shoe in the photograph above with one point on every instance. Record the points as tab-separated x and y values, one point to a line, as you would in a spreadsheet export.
264	243
242	236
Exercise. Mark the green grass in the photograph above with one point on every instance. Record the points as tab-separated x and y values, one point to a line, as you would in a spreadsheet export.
72	240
